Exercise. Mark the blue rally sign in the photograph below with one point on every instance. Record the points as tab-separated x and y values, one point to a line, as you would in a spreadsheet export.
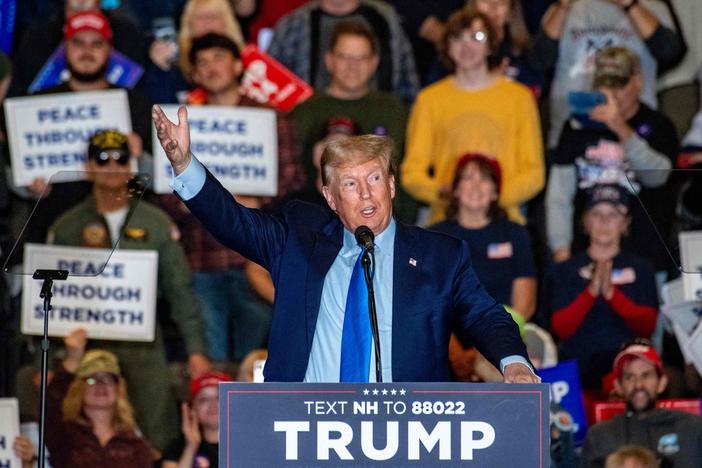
297	425
567	397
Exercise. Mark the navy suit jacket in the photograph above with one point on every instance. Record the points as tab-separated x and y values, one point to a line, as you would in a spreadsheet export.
298	248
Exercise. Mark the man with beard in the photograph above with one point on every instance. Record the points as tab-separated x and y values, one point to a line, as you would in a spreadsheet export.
88	37
675	436
41	38
89	42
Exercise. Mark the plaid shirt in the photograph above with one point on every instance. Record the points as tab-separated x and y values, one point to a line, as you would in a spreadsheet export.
203	251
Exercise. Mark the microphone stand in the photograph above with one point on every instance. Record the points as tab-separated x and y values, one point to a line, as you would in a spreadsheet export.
367	259
48	276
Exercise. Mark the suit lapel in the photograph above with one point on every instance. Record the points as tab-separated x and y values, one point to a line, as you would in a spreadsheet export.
327	244
405	275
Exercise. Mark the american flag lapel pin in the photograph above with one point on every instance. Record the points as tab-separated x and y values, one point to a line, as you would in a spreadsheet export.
413	262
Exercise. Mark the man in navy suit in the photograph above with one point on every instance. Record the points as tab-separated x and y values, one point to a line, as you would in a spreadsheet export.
423	280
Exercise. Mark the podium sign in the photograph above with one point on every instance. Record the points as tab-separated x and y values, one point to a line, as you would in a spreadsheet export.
370	425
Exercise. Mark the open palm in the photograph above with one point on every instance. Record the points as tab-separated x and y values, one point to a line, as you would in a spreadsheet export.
174	138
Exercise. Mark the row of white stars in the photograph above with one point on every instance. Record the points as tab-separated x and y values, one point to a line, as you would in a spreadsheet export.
384	391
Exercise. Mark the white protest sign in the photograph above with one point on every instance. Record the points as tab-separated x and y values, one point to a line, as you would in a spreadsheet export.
50	133
117	304
31	431
674	307
691	257
694	349
673	292
9	429
683	342
685	314
239	145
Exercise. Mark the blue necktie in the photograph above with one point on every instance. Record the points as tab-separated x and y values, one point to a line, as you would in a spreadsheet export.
356	335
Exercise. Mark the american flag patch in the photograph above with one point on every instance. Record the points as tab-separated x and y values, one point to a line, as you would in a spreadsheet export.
413	262
499	250
623	275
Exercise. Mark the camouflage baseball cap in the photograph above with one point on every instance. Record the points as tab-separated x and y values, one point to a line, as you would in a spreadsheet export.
614	66
96	361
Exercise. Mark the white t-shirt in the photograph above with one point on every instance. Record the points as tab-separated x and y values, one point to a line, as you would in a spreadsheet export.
115	221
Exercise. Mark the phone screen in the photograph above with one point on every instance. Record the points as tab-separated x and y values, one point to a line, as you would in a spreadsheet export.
581	104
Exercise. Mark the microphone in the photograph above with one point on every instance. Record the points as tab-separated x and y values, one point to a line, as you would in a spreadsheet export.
365	237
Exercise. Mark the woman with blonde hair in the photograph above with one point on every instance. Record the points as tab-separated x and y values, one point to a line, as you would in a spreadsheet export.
164	82
89	420
201	17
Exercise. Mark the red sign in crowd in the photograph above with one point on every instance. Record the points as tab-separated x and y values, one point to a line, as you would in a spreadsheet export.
608	409
267	81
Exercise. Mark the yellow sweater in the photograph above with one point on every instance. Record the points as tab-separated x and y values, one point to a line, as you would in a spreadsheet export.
499	121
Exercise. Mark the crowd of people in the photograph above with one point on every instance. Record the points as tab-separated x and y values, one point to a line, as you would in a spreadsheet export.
558	139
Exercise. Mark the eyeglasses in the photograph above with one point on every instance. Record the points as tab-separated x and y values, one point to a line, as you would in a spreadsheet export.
352	58
472	36
105	379
104	157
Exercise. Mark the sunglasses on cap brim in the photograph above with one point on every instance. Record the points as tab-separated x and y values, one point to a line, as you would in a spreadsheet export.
103	157
101	379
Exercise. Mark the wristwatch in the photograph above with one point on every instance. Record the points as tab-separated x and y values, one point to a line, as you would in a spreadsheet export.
631	4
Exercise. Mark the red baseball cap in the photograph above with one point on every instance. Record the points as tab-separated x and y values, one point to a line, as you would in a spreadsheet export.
208	379
637	351
491	162
88	21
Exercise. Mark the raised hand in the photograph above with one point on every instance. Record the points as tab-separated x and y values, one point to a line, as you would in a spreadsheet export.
75	344
190	426
174	138
610	114
39	188
198	364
